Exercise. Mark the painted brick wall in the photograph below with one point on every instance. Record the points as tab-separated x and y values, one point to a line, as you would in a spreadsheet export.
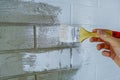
92	14
29	52
102	14
92	65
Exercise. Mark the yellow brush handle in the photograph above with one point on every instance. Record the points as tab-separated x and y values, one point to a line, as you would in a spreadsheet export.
84	34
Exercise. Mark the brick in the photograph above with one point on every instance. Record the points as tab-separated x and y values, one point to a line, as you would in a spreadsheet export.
65	16
86	72
57	75
67	75
81	14
48	37
46	61
35	62
16	37
107	15
11	64
48	76
54	60
91	3
76	58
65	58
31	77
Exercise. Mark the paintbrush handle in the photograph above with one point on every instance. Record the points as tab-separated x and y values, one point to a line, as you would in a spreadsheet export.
116	34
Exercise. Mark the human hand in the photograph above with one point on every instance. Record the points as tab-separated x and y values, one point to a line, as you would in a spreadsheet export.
110	45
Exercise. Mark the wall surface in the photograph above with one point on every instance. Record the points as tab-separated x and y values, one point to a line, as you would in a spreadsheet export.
22	51
92	14
30	48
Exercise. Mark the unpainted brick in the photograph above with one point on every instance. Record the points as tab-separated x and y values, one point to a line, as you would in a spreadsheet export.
16	37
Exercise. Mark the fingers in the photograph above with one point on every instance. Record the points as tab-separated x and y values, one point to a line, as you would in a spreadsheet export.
108	54
108	40
104	36
93	39
103	46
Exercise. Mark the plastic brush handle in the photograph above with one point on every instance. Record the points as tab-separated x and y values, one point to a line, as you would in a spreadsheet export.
116	34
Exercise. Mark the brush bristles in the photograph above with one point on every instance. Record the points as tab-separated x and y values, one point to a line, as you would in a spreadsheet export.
84	34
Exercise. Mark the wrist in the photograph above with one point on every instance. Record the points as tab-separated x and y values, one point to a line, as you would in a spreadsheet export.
117	60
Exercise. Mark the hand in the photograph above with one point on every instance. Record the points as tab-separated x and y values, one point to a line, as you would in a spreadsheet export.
110	45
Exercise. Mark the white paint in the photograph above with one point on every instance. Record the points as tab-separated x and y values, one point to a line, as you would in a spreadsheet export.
68	34
47	36
76	59
35	62
103	14
65	58
57	59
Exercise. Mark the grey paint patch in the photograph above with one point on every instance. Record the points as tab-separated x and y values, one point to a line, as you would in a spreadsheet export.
48	75
10	64
16	37
16	11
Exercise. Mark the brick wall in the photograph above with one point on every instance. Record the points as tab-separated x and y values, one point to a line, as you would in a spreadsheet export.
33	52
38	48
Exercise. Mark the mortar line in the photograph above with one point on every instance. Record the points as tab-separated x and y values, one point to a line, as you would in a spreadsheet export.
36	77
40	50
35	37
71	57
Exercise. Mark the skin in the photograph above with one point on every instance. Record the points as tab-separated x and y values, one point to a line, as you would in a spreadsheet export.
110	45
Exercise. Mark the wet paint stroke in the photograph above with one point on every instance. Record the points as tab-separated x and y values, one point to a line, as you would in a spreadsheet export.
47	61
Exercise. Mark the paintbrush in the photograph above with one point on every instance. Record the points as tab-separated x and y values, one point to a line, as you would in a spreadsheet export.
70	34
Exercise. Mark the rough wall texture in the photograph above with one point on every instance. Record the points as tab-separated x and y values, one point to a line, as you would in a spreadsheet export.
54	55
92	14
33	52
18	11
12	38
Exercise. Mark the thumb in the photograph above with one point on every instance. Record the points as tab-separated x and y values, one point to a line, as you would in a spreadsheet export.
106	37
